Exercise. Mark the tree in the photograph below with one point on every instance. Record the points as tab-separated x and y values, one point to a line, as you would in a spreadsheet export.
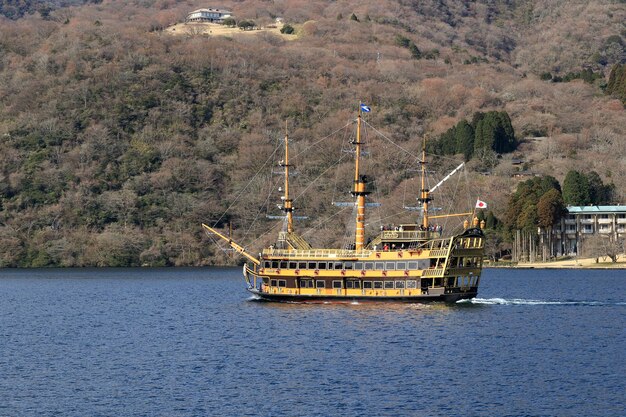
494	130
599	193
576	189
550	209
597	246
246	24
287	30
616	85
415	52
464	139
354	18
230	22
403	41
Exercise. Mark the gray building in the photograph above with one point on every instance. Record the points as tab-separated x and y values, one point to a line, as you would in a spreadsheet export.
583	222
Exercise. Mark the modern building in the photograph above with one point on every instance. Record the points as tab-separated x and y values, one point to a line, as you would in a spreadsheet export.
208	15
583	222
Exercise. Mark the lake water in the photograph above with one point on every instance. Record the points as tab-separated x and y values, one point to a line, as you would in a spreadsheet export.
190	342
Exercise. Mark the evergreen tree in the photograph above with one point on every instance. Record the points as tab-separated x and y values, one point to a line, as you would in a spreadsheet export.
485	132
287	29
447	142
522	210
550	208
415	52
505	135
617	82
576	189
599	193
491	221
464	139
494	131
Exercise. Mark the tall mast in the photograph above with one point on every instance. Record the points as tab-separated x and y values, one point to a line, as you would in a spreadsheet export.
287	203
424	197
359	190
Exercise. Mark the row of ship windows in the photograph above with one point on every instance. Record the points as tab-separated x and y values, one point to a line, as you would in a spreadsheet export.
389	266
461	281
309	283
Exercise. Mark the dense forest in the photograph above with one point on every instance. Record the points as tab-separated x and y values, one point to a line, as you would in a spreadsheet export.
119	139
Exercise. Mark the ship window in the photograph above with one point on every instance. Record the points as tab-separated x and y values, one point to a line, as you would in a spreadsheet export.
389	285
411	284
274	264
369	265
266	264
378	284
380	266
301	265
319	284
355	284
306	283
273	283
312	265
331	265
338	265
399	284
390	266
266	281
438	282
348	265
282	283
293	265
358	265
412	265
337	284
321	265
349	284
401	265
283	265
367	284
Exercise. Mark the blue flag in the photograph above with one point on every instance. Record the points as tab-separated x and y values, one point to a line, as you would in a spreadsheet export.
365	108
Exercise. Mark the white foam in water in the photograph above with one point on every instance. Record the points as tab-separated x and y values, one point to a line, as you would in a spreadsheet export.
519	301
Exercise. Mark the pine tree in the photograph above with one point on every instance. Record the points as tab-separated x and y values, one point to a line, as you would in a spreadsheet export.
464	139
576	189
617	82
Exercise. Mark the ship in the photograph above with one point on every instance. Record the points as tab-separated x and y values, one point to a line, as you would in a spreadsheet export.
416	262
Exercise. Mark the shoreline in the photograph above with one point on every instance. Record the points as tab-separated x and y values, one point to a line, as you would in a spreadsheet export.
579	263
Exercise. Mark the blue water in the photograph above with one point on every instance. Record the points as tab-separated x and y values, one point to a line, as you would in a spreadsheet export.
189	342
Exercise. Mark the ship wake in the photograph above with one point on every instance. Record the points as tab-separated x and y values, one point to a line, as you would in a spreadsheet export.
525	302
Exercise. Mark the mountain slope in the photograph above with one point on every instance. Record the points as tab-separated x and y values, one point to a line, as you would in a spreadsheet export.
118	140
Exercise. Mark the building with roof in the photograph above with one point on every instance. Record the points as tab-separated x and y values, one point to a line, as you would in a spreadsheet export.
583	222
208	15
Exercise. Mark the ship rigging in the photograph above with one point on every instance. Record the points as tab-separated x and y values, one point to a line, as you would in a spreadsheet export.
412	262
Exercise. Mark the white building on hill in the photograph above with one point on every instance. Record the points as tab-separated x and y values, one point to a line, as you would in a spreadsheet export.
208	15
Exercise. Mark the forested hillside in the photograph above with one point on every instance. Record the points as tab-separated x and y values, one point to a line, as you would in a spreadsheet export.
118	140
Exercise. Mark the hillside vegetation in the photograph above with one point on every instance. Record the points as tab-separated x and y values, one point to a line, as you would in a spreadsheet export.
118	139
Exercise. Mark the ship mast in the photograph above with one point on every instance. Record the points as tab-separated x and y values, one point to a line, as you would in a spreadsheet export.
287	202
424	197
359	190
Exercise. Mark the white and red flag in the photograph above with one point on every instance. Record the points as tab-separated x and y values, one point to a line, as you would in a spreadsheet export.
481	204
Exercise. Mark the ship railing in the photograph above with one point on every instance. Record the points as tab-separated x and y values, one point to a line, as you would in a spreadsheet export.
317	253
438	253
436	272
409	235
